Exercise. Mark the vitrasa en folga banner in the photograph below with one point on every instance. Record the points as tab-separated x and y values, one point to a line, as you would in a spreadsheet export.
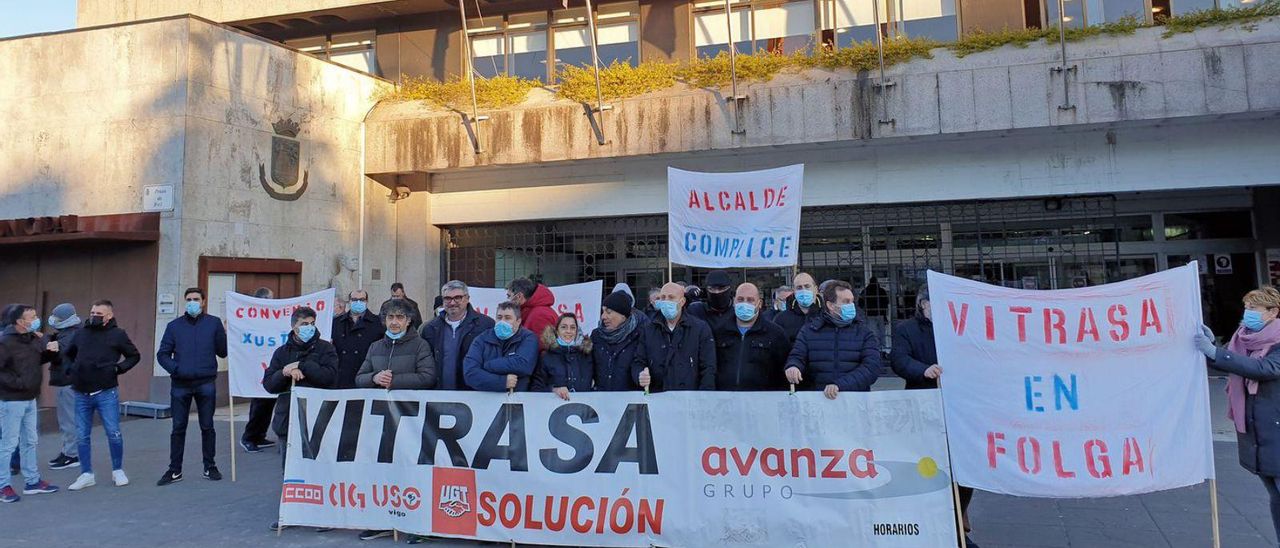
1089	392
624	469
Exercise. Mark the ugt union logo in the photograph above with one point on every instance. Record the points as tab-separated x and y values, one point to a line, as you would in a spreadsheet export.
456	491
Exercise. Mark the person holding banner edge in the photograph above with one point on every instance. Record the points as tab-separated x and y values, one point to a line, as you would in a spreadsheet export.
679	350
1252	357
566	365
835	350
189	352
503	358
750	352
305	360
617	351
914	357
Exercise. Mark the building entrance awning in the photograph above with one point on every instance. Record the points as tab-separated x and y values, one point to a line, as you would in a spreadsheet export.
127	227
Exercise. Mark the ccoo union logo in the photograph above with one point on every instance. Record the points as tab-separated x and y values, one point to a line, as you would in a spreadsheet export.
453	500
297	491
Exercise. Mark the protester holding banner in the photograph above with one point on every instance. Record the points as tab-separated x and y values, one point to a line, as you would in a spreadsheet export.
451	334
803	306
1252	357
718	307
836	350
503	358
189	352
535	302
750	352
354	331
566	365
617	352
401	360
680	351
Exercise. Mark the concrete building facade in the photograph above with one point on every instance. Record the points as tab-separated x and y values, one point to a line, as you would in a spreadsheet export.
246	146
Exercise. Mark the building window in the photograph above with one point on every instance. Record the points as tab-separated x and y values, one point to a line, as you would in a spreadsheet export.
1073	14
514	45
779	27
352	49
854	20
617	35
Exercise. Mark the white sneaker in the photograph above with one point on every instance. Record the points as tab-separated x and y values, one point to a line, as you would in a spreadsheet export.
85	480
119	477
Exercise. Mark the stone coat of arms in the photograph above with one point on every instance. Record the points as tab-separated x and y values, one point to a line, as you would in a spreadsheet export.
286	152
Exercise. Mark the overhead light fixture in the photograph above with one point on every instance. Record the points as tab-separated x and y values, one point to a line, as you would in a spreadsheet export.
1067	18
1157	9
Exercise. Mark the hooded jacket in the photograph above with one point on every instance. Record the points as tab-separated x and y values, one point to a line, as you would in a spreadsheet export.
99	355
490	360
536	313
826	353
751	361
449	376
683	358
20	357
318	362
412	365
564	366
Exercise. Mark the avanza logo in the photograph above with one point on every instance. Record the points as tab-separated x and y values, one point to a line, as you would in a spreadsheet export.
453	500
452	513
298	492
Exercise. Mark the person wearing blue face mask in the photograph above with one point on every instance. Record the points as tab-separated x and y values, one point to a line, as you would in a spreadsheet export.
22	350
802	306
679	349
750	352
401	360
835	351
502	359
1252	357
566	365
189	352
305	360
353	332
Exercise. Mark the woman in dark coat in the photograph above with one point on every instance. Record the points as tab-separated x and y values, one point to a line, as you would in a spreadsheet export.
566	365
1252	357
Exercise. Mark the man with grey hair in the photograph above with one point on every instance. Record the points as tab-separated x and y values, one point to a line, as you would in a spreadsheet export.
450	334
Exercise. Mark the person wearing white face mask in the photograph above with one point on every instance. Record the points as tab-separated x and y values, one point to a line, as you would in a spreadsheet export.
802	305
1252	357
835	351
189	352
502	359
305	360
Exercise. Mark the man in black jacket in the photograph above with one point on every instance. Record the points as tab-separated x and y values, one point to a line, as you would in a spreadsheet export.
305	360
680	351
451	334
718	307
353	332
398	295
99	354
67	323
750	352
803	305
21	353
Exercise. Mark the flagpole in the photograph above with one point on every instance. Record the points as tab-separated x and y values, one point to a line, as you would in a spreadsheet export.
955	487
595	56
231	410
471	78
1213	505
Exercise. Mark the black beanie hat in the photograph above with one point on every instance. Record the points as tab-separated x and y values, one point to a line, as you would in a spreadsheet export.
618	302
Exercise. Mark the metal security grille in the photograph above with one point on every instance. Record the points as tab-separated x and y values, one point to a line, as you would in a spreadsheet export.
1034	244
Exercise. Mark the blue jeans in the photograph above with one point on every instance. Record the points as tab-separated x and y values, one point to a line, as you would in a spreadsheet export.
180	402
107	404
18	430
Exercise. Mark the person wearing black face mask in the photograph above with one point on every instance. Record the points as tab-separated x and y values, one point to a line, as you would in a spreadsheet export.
718	307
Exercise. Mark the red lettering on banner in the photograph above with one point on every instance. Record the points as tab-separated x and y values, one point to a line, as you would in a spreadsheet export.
991	323
578	505
993	449
1057	462
958	323
693	200
1022	312
724	200
779	468
555	522
1119	324
1150	317
868	467
744	468
1055	320
1035	455
751	200
1095	452
796	455
1132	456
829	471
1088	326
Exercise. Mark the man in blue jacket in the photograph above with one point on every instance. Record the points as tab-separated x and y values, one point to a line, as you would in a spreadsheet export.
835	350
451	334
502	359
680	351
189	351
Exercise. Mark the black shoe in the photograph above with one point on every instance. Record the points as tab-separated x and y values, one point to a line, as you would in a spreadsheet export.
266	443
250	447
323	529
63	462
169	477
212	474
418	539
371	534
276	527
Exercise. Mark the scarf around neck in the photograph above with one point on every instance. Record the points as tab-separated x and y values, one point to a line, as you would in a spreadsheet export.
1254	344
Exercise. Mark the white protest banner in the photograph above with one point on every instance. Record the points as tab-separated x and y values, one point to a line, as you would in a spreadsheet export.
735	220
256	327
624	469
582	300
1089	392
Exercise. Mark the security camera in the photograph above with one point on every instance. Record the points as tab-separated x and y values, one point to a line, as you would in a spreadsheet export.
400	193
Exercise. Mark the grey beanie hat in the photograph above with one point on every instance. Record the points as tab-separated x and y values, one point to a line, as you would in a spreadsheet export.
64	316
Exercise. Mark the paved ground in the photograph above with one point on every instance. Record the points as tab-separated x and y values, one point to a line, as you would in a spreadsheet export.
197	512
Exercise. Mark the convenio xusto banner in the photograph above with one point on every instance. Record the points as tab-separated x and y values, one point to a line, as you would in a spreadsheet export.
624	469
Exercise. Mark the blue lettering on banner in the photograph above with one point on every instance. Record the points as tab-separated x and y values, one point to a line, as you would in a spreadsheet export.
265	341
736	247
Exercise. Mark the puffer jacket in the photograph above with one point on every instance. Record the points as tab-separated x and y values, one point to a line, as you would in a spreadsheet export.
564	366
617	365
537	313
490	360
683	358
99	355
1259	445
20	357
318	361
412	365
914	351
825	353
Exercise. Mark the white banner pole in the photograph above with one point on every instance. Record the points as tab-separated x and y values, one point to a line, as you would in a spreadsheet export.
231	425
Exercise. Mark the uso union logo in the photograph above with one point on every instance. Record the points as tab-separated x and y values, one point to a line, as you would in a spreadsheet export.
286	152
